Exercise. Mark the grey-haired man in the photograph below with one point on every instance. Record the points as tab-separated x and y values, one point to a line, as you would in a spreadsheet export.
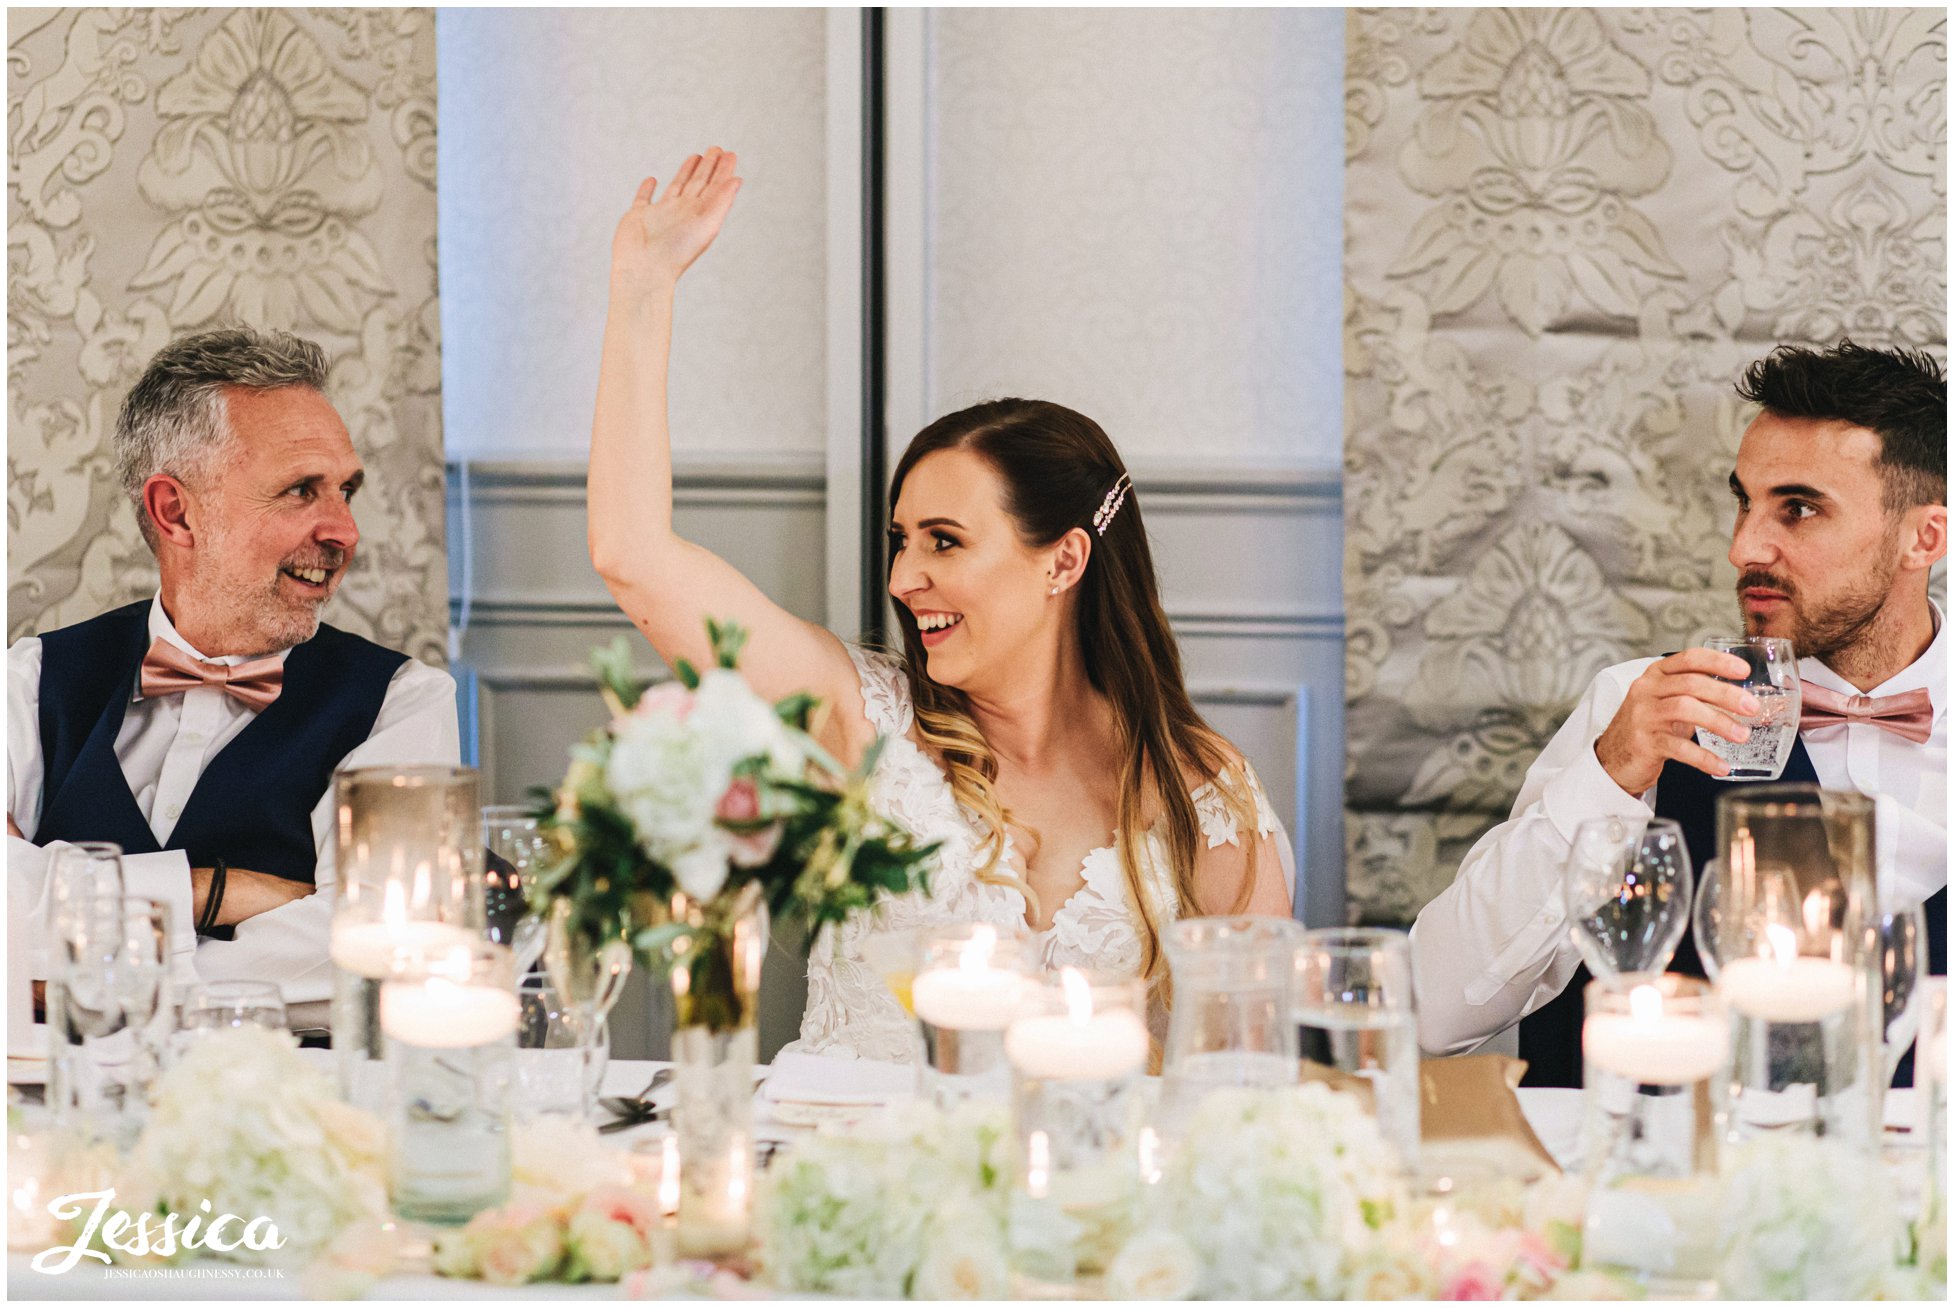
200	729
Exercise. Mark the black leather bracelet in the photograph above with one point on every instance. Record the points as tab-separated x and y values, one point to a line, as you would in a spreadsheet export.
213	898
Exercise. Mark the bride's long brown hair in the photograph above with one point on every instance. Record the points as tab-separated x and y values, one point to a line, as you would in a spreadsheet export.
1057	466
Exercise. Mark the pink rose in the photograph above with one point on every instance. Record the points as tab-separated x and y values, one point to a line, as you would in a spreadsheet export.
740	803
522	1243
667	697
1539	1257
632	1208
1473	1282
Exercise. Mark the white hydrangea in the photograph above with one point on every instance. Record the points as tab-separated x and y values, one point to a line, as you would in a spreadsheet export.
1805	1218
739	725
243	1121
671	764
666	777
1277	1192
908	1204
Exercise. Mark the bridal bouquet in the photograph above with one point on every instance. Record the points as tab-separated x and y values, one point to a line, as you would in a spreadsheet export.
699	801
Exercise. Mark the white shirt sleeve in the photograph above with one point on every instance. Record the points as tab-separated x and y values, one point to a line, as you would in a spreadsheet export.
163	877
417	725
1493	946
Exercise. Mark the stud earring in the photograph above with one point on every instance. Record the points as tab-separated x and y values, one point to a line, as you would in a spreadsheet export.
1054	590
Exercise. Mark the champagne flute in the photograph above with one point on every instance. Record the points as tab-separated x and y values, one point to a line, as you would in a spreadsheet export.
1626	888
1773	682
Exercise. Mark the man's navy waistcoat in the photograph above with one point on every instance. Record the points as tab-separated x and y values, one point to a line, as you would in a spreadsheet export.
1550	1037
253	805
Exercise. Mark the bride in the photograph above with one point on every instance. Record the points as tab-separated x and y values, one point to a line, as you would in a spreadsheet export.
1039	726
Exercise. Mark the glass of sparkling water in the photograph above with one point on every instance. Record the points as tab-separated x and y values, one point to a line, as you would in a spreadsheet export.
1626	888
1773	681
1354	1014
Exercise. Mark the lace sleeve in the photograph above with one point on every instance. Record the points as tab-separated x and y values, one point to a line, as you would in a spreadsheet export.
1222	868
885	691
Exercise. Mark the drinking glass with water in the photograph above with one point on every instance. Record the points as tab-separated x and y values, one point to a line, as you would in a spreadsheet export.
223	1005
1354	1014
1773	683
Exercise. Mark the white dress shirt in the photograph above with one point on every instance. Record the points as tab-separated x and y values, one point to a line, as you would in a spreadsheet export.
164	746
1494	945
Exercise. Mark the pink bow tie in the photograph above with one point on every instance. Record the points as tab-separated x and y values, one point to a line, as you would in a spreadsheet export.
1909	714
167	670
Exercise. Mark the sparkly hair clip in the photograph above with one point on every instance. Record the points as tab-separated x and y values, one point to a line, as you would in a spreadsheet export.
1102	518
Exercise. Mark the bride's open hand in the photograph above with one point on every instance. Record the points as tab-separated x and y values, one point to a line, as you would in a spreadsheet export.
658	239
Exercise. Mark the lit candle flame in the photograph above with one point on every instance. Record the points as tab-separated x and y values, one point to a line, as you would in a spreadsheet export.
736	1174
1783	944
976	955
1078	994
1149	1155
668	1177
1644	1004
393	906
1038	1164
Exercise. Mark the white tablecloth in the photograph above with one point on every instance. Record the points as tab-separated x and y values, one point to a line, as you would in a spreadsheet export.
1555	1116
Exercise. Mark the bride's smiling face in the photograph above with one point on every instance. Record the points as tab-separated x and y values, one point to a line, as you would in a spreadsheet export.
977	592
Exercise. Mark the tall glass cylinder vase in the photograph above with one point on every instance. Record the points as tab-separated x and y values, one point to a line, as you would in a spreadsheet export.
1232	1021
1930	1097
1078	1054
410	879
450	1015
1800	972
1655	1056
967	986
715	981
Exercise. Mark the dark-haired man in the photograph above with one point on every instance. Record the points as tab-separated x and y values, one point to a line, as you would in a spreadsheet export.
1841	490
199	730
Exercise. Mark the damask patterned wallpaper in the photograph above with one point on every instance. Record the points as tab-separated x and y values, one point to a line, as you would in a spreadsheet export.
178	169
1566	232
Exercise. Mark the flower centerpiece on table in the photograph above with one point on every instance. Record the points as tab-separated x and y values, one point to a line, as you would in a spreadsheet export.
244	1128
695	815
912	1204
1271	1194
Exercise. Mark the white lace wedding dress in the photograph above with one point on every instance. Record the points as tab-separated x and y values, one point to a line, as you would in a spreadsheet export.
851	1013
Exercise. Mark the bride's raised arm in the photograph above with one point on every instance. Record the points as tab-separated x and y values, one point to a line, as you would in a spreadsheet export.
666	585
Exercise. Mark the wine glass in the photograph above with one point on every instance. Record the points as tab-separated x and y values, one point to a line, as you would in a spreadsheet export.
1626	889
1773	682
1707	920
517	849
110	1016
1902	964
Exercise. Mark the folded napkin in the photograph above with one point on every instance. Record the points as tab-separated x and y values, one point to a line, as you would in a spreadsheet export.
852	1082
1466	1105
27	1041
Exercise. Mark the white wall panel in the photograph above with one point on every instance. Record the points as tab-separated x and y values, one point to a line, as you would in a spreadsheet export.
549	120
1137	213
